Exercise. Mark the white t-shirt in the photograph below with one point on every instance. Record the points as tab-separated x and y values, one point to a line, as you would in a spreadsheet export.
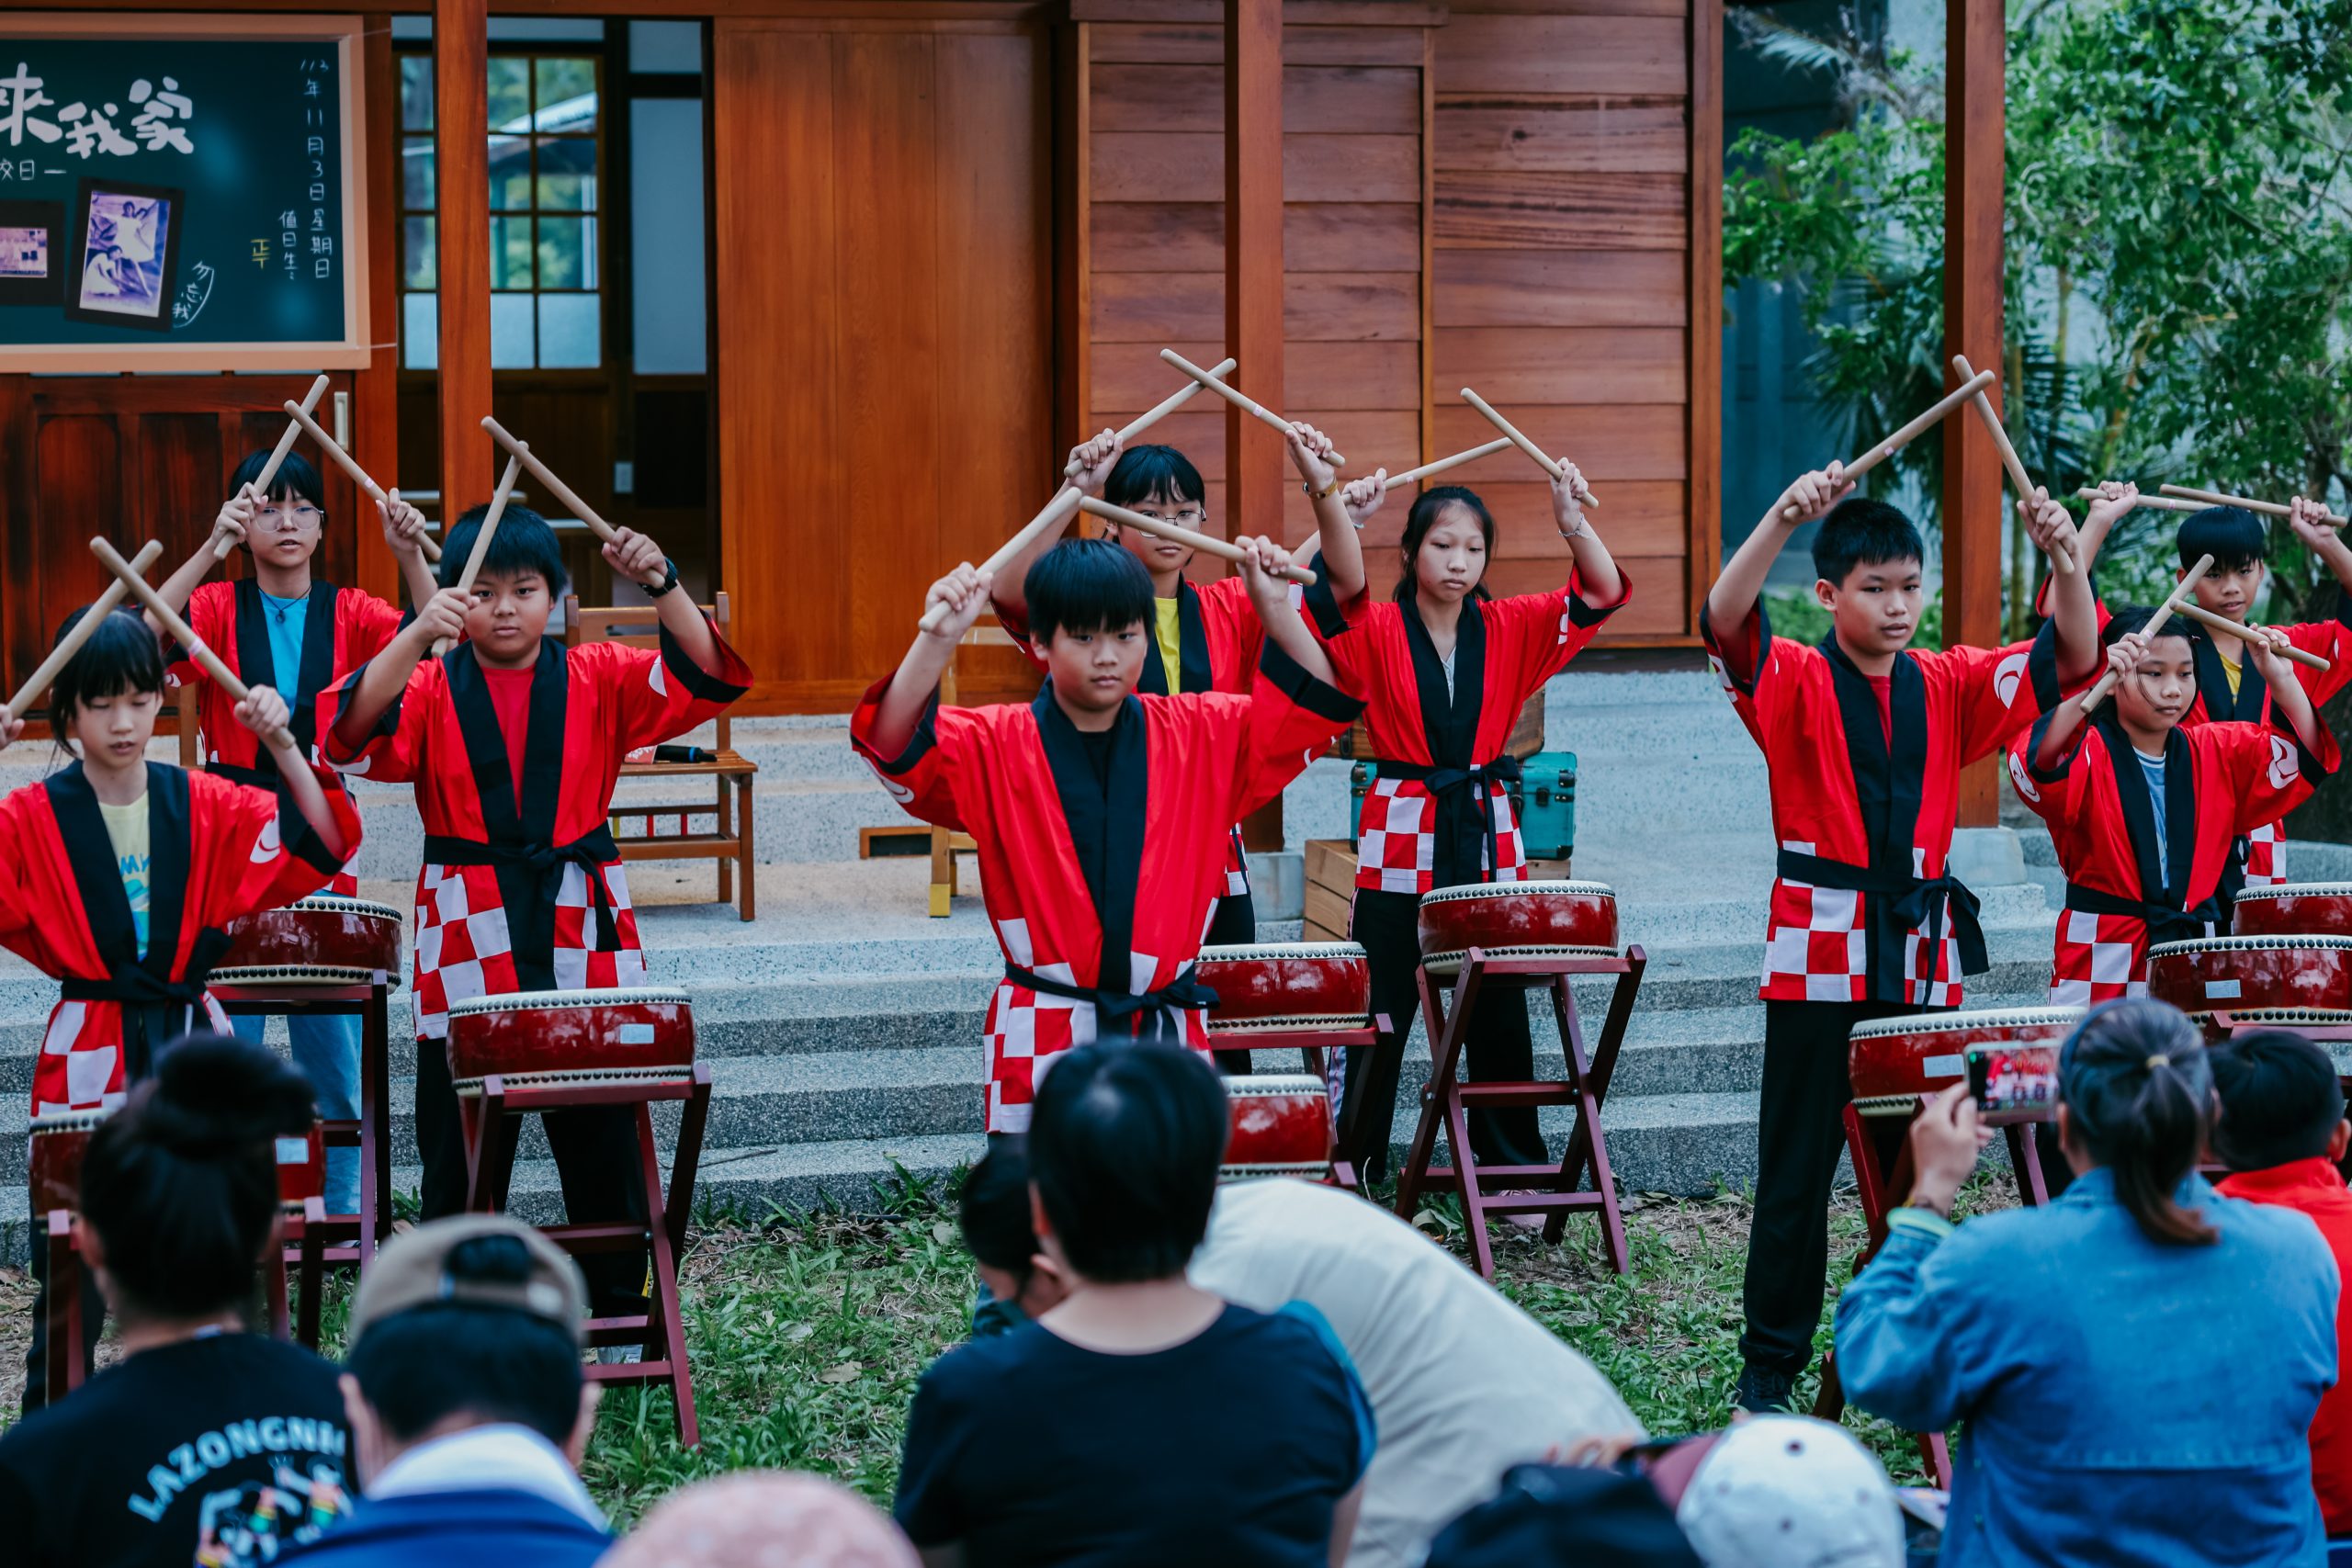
1462	1385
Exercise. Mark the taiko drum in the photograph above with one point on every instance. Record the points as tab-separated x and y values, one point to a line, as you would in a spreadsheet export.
2294	908
322	940
1269	987
1894	1061
543	1037
2233	974
1517	920
1281	1126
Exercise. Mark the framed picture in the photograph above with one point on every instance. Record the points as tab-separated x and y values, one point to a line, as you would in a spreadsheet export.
32	252
125	254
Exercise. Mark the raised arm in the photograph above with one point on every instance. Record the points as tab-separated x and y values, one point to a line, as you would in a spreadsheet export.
1596	570
235	521
404	537
2289	701
1263	566
1310	453
964	591
263	713
379	686
2123	656
2308	519
1732	598
1095	459
636	557
2073	606
2114	503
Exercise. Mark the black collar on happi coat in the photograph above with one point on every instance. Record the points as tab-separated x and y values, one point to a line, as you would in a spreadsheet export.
1191	649
533	822
2139	811
258	665
2213	686
1889	784
1105	815
1449	723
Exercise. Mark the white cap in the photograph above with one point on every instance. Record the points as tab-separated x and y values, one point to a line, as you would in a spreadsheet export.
1792	1492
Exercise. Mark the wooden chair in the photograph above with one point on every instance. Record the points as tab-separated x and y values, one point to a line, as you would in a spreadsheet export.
947	844
729	843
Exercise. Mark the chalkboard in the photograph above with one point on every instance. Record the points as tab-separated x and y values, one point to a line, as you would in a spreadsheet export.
180	193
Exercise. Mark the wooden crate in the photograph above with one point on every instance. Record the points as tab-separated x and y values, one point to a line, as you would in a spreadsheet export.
1331	888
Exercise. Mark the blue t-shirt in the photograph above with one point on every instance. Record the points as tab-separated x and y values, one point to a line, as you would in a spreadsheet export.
2154	768
285	618
1231	1449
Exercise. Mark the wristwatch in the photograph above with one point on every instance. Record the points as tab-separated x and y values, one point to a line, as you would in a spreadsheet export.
1313	494
668	582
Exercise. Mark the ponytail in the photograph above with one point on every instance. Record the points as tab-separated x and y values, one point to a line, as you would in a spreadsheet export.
2138	1090
181	1184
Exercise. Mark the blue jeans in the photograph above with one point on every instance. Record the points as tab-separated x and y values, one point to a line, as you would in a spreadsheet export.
327	1050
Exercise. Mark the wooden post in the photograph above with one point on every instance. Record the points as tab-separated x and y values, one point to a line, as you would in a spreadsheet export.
462	165
1704	431
1253	259
375	391
1975	54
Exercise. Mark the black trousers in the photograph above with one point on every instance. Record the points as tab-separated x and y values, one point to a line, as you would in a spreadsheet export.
1498	1048
1235	924
94	1320
595	1158
1800	1133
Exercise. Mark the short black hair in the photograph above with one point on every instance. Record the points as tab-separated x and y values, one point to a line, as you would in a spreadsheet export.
523	543
498	1365
2280	1099
994	1208
1124	1142
294	480
123	655
1861	531
1154	473
2125	619
1087	585
2234	536
181	1183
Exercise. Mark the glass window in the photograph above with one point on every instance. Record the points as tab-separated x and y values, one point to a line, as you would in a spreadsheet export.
421	330
545	159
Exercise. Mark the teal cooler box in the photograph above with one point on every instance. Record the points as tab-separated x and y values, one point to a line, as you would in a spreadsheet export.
1543	801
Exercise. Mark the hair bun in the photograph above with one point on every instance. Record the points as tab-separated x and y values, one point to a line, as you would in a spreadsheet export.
215	1092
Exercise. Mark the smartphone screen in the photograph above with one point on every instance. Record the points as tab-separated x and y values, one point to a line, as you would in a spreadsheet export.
2014	1083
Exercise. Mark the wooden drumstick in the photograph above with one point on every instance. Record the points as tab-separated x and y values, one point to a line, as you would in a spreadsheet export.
268	474
2205	498
1511	432
499	498
2203	616
2172	604
107	602
1162	408
1936	414
2062	561
1241	401
1183	535
178	630
2153	503
521	451
1429	471
350	464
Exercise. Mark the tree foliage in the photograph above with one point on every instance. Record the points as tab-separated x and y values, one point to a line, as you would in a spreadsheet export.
2178	247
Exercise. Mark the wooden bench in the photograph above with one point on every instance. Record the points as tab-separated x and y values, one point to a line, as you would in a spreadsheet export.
729	843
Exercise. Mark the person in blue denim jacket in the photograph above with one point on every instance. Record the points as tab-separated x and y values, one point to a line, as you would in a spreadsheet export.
2138	1361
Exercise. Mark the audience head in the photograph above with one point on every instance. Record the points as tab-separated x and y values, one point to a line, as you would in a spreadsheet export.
1792	1492
1567	1516
1123	1146
2135	1095
2281	1101
994	1212
763	1519
179	1188
471	1321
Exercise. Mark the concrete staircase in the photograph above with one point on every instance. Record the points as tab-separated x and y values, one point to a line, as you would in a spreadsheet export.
842	1027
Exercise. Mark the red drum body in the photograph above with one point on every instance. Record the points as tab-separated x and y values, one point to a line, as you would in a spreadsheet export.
1894	1061
320	940
2295	909
54	1161
2237	974
1264	987
303	1168
2318	1023
538	1038
1281	1126
1517	920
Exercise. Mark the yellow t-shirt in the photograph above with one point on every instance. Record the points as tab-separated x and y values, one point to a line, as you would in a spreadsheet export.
1171	642
127	833
2232	670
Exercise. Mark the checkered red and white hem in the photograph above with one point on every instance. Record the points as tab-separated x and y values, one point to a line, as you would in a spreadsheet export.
1816	948
2099	958
88	1036
1396	839
2265	861
465	947
1026	1028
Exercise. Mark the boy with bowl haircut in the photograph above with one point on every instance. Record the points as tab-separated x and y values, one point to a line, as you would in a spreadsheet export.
1865	738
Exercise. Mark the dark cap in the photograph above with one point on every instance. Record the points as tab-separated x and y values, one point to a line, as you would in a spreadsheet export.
1563	1516
413	1271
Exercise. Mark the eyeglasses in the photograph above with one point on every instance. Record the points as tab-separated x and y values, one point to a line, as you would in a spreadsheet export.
294	520
1191	517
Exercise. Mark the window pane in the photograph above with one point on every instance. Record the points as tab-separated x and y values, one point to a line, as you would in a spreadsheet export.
420	267
416	91
571	333
567	94
510	174
510	332
510	93
421	330
567	252
510	251
568	174
416	173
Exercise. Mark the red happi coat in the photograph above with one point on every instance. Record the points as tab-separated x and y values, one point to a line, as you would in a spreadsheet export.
1100	886
2219	780
1862	908
1438	814
216	850
342	629
528	896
